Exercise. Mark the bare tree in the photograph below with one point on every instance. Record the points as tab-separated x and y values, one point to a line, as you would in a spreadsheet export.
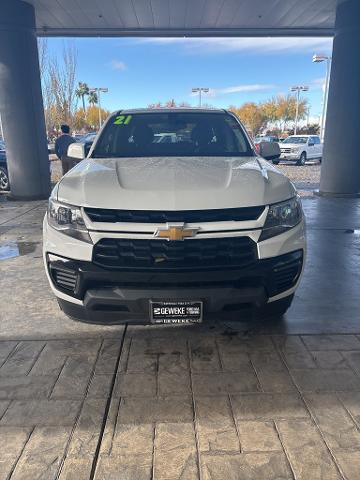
62	75
58	83
43	55
46	82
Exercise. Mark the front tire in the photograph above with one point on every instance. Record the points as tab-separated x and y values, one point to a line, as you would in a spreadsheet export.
4	180
302	160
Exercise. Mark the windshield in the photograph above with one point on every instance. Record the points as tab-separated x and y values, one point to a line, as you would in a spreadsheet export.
295	140
175	134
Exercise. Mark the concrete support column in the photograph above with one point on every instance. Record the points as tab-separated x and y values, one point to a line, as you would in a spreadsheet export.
21	103
340	172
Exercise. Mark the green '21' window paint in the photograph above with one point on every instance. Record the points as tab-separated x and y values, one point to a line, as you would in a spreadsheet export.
123	120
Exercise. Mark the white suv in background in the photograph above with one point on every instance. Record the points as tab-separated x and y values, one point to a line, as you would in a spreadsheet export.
299	148
147	231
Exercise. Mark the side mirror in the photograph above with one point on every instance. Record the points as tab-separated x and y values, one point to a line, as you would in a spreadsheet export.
77	151
311	144
269	150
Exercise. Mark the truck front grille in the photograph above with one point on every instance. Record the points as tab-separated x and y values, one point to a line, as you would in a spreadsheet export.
163	254
183	216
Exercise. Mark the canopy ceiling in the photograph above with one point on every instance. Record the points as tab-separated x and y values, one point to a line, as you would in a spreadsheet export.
184	17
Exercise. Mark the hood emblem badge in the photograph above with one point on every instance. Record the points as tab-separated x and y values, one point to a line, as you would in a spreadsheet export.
176	232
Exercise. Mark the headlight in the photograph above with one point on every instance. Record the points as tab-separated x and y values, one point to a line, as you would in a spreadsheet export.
68	219
281	217
295	150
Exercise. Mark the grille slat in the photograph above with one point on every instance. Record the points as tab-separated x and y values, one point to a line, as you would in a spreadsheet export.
184	216
65	283
158	254
65	274
65	279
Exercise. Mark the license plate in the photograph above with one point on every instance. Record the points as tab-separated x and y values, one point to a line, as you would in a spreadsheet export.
176	311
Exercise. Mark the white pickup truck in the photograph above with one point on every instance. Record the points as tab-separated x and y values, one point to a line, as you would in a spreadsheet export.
168	232
300	148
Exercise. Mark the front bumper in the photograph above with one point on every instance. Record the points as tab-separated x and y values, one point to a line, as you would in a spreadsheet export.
97	295
290	156
100	295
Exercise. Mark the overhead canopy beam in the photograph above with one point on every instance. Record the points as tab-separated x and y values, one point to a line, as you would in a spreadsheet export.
190	18
193	32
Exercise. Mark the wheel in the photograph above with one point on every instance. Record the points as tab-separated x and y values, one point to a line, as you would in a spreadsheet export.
276	161
4	180
302	160
277	308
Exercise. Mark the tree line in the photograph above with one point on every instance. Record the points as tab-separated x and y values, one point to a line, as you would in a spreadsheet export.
276	114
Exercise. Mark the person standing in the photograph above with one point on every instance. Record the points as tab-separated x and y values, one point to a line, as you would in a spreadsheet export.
61	147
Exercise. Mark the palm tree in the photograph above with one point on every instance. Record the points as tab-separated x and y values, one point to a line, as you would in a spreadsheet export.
81	92
93	98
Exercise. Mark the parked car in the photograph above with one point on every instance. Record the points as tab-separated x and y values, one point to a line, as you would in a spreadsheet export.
87	140
4	176
266	138
142	231
270	144
300	148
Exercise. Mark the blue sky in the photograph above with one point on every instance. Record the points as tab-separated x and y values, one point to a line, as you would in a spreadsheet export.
140	71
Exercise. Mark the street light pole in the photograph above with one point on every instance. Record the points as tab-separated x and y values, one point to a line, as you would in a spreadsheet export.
298	89
99	105
328	70
297	110
1	129
200	90
327	59
98	91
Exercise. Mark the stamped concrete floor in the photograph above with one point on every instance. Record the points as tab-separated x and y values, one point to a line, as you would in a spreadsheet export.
231	399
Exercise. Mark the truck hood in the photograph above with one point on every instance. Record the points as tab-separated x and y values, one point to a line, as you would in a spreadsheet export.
292	145
174	183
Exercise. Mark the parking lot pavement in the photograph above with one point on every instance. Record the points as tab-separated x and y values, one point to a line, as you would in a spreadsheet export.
229	399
